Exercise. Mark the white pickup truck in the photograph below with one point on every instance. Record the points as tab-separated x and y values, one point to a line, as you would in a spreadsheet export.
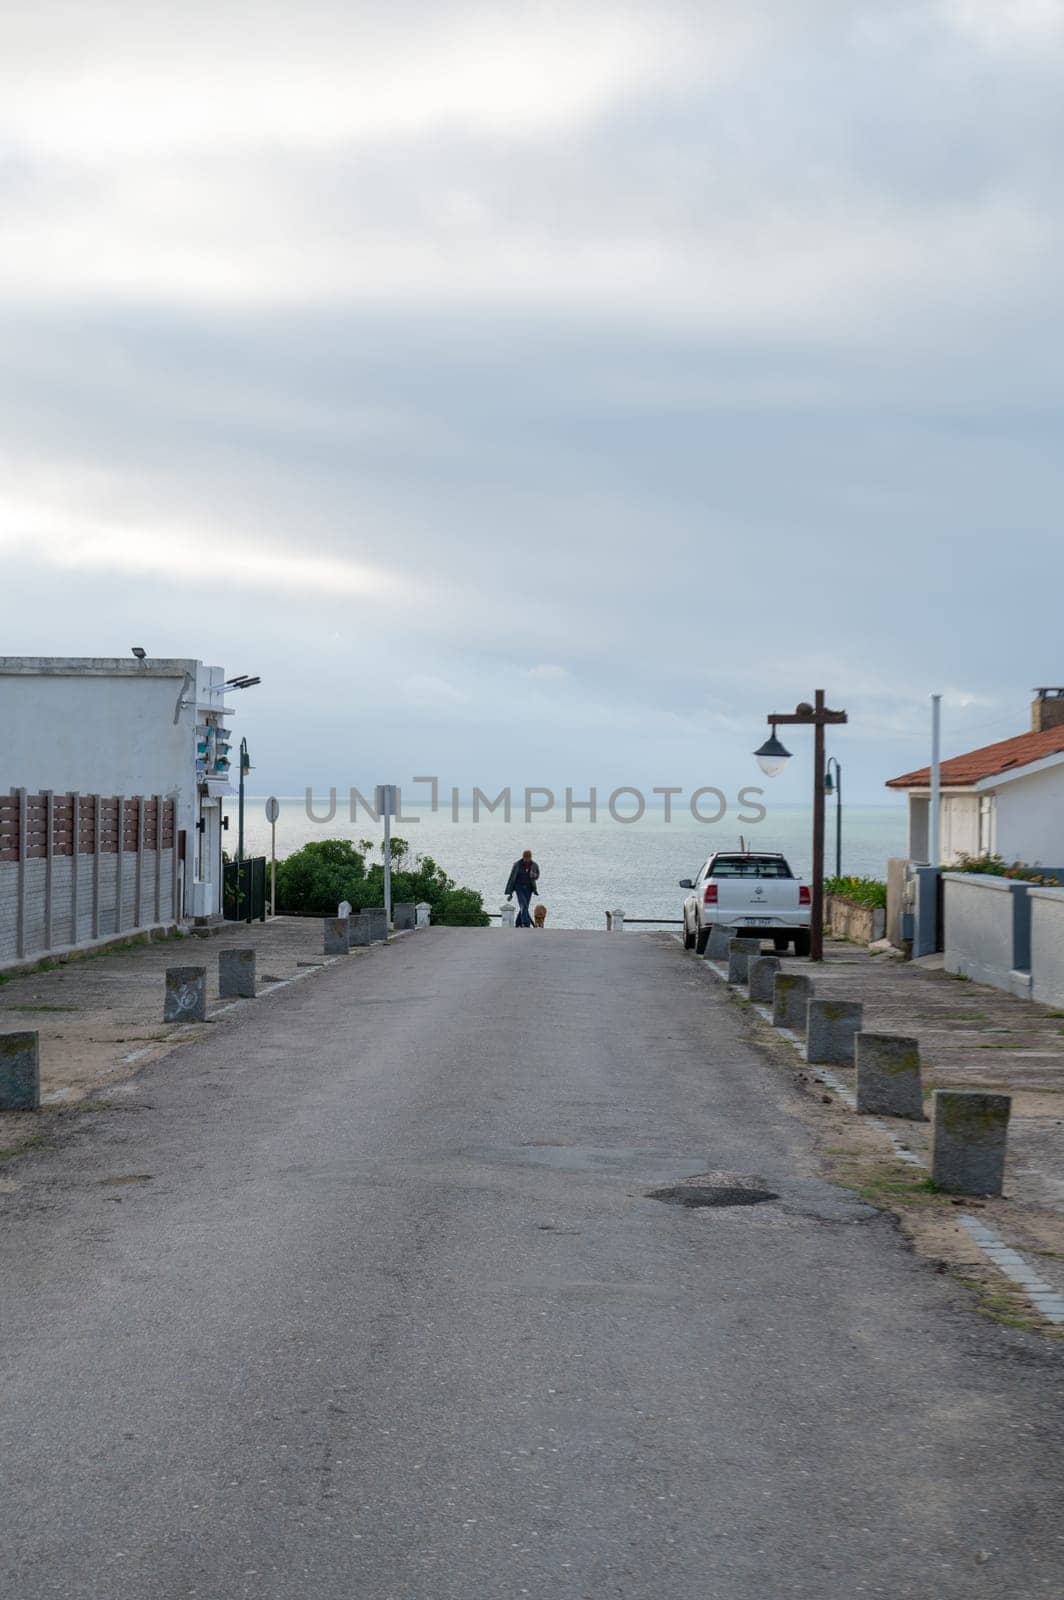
754	894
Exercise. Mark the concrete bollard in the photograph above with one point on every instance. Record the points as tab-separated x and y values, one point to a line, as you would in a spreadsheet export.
405	914
740	954
236	974
831	1027
423	914
358	931
968	1140
186	994
717	944
888	1076
762	978
337	935
20	1072
378	923
617	921
791	994
507	914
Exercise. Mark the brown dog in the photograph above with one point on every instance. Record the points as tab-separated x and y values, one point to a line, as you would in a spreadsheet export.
539	916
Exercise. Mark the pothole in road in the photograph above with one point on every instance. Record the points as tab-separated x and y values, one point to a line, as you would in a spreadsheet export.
715	1189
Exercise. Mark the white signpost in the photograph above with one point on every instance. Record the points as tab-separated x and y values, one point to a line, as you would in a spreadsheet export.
386	801
273	810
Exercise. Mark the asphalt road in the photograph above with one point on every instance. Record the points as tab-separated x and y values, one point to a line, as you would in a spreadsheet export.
363	1298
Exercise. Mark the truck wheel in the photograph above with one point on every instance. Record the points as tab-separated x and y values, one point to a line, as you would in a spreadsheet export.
780	941
802	944
688	938
701	940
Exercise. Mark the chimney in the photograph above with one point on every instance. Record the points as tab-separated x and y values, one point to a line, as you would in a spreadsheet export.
1047	710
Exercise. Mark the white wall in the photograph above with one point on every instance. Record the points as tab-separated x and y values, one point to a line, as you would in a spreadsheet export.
109	728
99	735
1047	946
1030	818
977	911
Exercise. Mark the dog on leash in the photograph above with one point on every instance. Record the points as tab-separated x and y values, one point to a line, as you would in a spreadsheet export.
539	916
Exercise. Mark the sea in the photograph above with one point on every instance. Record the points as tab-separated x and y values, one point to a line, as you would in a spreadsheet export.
588	868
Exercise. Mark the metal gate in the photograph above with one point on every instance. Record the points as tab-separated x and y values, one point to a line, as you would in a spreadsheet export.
244	889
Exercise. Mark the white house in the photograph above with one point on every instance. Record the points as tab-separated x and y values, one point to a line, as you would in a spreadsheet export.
1005	799
122	727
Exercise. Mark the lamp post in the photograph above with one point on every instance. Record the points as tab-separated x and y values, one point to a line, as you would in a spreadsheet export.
772	757
835	789
245	768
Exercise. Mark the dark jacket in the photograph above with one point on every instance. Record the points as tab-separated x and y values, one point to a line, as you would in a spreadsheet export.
519	871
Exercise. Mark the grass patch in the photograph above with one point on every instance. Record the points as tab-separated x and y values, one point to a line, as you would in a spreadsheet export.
33	1141
1002	1305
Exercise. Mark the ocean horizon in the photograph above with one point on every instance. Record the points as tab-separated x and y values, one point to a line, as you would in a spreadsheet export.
587	867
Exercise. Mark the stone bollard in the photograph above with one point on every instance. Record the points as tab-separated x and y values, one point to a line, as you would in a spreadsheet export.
968	1140
186	994
762	978
740	954
236	974
888	1076
378	923
423	915
405	914
831	1027
20	1072
507	913
337	935
720	937
791	994
358	931
617	921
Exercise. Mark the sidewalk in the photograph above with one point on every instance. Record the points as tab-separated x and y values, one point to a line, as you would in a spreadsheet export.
973	1037
99	1017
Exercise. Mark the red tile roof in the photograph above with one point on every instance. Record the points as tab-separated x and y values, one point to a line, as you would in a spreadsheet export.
961	771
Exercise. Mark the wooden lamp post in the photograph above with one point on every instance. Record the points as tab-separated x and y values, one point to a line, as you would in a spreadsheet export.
772	756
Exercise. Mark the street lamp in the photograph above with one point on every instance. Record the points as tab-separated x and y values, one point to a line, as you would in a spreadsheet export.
771	758
245	768
835	789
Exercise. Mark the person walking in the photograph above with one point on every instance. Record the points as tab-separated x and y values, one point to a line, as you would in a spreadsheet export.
524	875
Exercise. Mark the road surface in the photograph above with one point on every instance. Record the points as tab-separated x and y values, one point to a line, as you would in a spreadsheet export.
364	1298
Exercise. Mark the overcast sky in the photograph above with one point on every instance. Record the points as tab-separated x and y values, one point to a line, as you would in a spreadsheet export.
541	392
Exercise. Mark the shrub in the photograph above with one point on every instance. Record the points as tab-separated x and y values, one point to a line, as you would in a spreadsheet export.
996	867
314	880
862	891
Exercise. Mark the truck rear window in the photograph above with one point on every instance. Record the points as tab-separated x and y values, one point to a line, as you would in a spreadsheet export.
749	867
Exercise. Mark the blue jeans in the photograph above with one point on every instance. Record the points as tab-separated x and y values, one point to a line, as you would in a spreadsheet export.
523	898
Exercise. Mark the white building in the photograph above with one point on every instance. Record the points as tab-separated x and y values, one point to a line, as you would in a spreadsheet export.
1006	799
109	727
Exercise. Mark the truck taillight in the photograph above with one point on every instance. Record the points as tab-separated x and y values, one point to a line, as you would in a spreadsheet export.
804	894
710	896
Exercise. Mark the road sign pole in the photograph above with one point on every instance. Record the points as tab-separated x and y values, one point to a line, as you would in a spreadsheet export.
272	811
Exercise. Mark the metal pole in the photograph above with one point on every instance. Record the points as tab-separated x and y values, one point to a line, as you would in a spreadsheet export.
240	820
934	835
273	868
838	819
816	919
387	868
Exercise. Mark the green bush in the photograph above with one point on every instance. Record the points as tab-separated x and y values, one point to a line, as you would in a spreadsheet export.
314	880
862	891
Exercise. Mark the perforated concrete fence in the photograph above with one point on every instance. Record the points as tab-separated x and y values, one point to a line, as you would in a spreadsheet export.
77	868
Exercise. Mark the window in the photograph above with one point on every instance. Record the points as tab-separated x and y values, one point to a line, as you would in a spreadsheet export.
750	867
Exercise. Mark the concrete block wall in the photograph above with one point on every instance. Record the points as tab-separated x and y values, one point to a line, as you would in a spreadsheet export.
980	931
1047	945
